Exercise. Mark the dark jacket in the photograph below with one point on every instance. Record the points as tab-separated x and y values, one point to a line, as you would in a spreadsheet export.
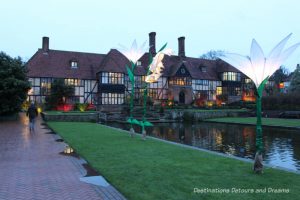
32	112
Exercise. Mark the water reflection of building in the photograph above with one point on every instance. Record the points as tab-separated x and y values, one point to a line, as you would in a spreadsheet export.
230	139
282	146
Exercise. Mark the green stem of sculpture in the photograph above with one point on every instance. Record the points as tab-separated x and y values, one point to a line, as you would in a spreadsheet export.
132	97
144	106
259	142
131	104
145	102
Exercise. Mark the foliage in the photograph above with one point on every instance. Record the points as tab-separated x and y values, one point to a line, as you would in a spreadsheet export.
295	82
81	106
167	171
280	75
281	101
221	98
161	110
212	54
60	92
201	101
13	84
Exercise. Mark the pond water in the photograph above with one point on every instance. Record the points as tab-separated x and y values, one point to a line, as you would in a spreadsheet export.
282	146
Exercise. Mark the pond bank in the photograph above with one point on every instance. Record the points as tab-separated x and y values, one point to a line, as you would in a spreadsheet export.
272	122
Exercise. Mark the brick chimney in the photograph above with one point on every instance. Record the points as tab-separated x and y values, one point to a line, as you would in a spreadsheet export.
152	48
45	45
181	51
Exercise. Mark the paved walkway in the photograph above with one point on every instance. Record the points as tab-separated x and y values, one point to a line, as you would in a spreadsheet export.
32	168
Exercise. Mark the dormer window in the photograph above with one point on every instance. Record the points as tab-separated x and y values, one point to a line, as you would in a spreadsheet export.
74	64
203	68
138	63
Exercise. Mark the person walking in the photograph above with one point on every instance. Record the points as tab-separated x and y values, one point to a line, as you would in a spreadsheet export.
32	113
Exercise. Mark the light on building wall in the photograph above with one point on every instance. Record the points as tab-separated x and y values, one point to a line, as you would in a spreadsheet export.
281	85
30	91
39	109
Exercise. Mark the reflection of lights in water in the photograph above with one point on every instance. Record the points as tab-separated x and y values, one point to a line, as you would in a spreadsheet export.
218	138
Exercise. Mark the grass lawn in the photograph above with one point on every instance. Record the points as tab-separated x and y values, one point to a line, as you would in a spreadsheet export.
151	169
265	121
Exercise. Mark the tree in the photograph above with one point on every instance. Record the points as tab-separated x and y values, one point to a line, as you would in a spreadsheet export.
13	84
212	54
295	82
60	92
280	75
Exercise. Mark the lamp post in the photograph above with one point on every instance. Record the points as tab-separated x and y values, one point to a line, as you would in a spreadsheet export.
259	69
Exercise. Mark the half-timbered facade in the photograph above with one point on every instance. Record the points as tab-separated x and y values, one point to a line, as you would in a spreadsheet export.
102	78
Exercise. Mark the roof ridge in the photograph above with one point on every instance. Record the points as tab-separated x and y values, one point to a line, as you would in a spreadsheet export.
75	52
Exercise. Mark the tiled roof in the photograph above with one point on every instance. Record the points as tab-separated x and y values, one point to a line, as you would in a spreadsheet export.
55	63
225	67
115	61
193	65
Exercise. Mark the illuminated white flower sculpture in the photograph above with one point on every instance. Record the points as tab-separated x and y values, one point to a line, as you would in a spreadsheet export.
257	66
134	53
157	66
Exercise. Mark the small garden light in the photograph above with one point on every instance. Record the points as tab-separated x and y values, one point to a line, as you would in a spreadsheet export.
68	150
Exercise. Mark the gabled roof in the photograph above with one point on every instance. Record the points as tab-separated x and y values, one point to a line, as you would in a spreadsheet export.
115	61
173	63
56	63
225	67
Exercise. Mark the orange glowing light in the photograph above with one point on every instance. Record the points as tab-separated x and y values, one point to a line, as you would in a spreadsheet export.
281	85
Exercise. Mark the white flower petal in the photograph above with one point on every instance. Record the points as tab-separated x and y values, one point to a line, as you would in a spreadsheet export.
275	63
258	67
134	53
240	62
168	51
278	48
258	61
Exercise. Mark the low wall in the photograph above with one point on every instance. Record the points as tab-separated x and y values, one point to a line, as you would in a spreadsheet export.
89	117
185	115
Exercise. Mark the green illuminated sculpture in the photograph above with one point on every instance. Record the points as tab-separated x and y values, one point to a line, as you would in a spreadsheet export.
154	71
259	69
132	54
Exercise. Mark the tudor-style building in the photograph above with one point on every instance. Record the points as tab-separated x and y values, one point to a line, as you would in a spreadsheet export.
102	78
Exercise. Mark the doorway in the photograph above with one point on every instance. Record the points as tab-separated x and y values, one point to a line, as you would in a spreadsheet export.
181	97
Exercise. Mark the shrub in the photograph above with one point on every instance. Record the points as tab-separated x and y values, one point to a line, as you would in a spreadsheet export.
60	92
290	101
13	84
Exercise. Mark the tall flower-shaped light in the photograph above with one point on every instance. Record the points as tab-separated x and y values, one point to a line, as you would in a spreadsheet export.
154	71
156	67
132	54
259	68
